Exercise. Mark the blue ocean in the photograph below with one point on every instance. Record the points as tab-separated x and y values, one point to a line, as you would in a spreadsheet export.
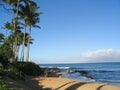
105	73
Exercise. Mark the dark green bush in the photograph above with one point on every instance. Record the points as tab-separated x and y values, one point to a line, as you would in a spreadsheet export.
3	61
3	85
29	68
14	72
1	70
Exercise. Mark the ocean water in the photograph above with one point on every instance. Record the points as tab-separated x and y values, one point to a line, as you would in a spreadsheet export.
105	73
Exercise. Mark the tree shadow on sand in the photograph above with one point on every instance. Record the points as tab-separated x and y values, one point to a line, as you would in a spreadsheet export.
28	84
99	88
64	85
75	86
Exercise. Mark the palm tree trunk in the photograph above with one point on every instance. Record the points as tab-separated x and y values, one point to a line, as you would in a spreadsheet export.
15	43
23	45
18	48
28	47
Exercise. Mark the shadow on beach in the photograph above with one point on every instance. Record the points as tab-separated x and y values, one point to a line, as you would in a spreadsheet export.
75	86
28	84
99	88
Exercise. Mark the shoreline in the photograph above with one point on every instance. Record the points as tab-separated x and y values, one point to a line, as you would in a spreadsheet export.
55	83
92	80
60	83
97	73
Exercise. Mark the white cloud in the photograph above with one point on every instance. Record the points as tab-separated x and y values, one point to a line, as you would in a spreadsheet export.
107	55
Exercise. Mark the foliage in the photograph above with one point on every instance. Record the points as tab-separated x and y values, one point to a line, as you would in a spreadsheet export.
15	73
3	85
1	37
29	68
3	61
25	15
1	70
5	53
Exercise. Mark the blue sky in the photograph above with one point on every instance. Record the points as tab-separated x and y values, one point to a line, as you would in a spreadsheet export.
76	31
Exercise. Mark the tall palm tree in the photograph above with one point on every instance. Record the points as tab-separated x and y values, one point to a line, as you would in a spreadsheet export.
23	14
15	7
26	44
20	36
29	14
33	18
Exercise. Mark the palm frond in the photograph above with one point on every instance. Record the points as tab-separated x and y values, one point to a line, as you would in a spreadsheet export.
36	26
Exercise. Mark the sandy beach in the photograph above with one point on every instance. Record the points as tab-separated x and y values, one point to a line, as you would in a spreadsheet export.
58	83
55	83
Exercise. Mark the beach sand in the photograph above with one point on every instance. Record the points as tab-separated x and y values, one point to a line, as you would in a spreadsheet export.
59	83
55	83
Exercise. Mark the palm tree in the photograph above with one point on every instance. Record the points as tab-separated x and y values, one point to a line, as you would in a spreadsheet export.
10	41
29	14
26	44
8	27
11	38
20	36
15	7
33	18
27	11
23	14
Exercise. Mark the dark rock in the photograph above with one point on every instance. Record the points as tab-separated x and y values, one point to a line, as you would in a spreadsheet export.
82	72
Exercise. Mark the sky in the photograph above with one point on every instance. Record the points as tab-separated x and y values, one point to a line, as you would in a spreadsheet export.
76	31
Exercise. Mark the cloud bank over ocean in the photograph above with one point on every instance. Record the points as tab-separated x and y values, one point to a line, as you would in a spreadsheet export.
107	55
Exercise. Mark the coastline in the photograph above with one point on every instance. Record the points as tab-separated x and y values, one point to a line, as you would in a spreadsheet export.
55	83
60	83
102	73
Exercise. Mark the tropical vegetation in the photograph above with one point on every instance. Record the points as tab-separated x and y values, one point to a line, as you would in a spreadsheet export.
3	85
13	59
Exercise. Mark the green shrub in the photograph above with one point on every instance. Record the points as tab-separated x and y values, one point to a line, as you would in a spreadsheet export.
29	68
14	72
3	85
3	61
1	71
